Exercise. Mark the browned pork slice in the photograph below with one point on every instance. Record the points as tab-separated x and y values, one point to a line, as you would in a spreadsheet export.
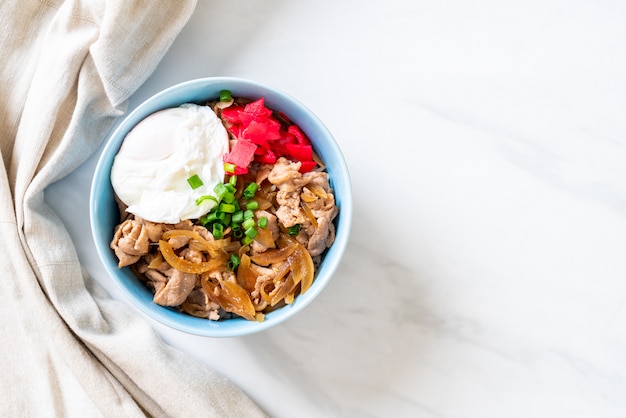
198	304
311	190
272	227
318	237
203	232
178	287
130	242
289	180
171	287
285	175
289	211
154	230
263	172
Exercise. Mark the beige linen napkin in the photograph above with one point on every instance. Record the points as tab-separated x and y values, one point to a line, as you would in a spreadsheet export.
67	69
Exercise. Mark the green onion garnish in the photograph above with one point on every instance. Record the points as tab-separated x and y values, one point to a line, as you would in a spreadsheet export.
247	240
229	197
220	190
237	231
237	217
225	96
294	230
250	190
252	205
210	217
218	230
230	168
263	222
234	262
233	181
227	208
195	181
206	197
251	232
248	223
248	214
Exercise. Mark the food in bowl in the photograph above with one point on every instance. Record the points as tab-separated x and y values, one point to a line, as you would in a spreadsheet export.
222	220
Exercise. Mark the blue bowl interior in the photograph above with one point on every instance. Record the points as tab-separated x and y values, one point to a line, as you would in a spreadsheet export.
104	213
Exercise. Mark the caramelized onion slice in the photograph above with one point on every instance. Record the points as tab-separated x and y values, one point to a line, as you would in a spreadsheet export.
231	297
302	267
308	197
156	261
308	213
319	161
318	191
264	294
187	266
279	293
290	298
264	236
274	256
183	232
212	247
245	276
280	270
263	203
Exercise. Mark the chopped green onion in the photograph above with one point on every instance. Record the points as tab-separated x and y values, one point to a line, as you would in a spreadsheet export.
218	230
252	205
237	231
230	187
251	232
247	240
263	222
227	208
227	219
233	181
210	217
234	262
250	190
220	190
248	214
229	197
294	230
237	217
248	223
220	216
195	181
206	197
230	168
225	96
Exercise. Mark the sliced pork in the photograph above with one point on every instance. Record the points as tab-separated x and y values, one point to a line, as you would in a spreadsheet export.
130	242
307	200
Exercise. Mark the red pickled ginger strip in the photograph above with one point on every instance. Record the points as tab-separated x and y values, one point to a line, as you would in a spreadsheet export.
241	155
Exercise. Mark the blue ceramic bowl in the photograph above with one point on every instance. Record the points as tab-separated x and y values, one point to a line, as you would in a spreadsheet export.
104	213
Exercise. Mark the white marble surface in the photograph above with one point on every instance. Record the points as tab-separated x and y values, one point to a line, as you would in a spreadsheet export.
486	272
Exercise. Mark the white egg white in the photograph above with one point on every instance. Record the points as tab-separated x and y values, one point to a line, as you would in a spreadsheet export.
150	171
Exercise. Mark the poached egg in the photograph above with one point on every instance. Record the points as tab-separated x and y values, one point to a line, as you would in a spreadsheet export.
158	156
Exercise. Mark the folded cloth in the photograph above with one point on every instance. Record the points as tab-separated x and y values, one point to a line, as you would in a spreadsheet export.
68	68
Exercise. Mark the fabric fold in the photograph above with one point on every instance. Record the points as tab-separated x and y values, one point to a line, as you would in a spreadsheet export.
69	350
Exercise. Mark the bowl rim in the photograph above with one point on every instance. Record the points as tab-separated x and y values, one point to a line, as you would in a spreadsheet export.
101	178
